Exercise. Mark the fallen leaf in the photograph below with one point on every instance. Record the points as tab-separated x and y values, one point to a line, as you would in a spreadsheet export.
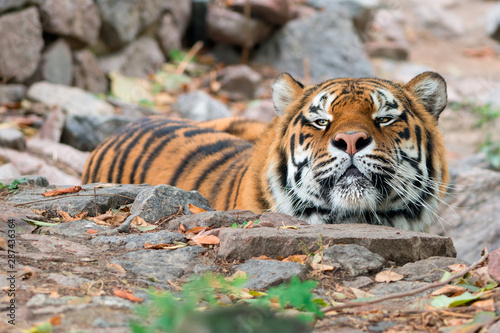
130	89
140	224
206	239
126	295
249	225
288	227
195	231
106	185
360	293
236	275
443	301
73	189
55	321
54	294
482	52
26	273
42	212
300	258
116	268
67	218
195	210
164	246
448	290
455	268
92	231
3	244
262	257
485	305
322	267
80	300
181	229
388	276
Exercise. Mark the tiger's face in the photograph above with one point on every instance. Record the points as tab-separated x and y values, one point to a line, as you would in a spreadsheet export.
360	150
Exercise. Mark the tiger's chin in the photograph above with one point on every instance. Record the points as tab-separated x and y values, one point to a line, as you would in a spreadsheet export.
353	194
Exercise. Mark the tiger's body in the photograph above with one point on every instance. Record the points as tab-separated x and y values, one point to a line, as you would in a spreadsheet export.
343	151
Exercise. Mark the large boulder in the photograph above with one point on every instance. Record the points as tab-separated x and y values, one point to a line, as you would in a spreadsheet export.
198	105
326	40
56	65
87	73
21	44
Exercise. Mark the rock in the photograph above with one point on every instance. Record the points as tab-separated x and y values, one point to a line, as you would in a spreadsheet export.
160	265
60	153
139	59
21	43
200	106
180	10
354	259
392	244
359	282
169	34
111	197
11	4
12	93
327	40
159	201
8	170
74	101
27	164
263	274
52	127
439	21
212	220
54	245
131	110
494	265
492	20
12	138
272	11
35	181
226	26
391	50
87	73
239	82
278	220
77	229
298	11
261	110
471	213
385	289
67	281
56	65
85	132
429	270
225	53
137	241
78	19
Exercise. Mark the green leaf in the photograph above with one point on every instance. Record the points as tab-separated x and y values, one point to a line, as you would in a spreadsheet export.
143	228
320	301
39	223
444	301
446	275
130	89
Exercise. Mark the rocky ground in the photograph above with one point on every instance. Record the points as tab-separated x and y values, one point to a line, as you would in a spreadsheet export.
76	75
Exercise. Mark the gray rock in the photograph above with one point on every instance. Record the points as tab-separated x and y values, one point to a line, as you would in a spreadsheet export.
261	110
56	65
11	4
67	281
169	34
492	20
180	10
74	101
139	59
131	110
159	201
137	241
87	73
111	197
354	259
12	93
392	244
112	302
327	40
389	49
78	19
359	282
21	43
263	274
226	26
239	82
160	265
85	132
428	270
60	153
272	11
76	229
225	53
471	213
212	220
36	181
199	105
385	289
439	21
8	170
12	138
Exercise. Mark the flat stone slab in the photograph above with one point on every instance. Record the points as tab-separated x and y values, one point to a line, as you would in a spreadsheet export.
263	274
392	244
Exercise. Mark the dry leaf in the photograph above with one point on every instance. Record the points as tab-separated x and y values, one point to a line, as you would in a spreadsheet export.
206	239
300	258
80	300
116	268
322	267
360	293
455	268
26	273
482	52
67	218
448	290
388	276
262	257
195	210
92	231
126	295
42	212
164	246
288	227
249	225
181	229
195	231
106	185
3	244
55	321
485	305
54	294
74	189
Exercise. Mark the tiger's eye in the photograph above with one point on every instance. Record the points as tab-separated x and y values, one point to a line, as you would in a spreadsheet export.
321	122
383	120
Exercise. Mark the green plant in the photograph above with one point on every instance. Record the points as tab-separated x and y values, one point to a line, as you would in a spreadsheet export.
236	225
14	186
486	112
492	150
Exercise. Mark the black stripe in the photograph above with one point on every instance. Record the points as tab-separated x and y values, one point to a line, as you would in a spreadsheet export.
102	152
239	183
215	189
198	131
198	154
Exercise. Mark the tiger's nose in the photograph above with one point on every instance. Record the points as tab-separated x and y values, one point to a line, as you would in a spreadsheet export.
351	142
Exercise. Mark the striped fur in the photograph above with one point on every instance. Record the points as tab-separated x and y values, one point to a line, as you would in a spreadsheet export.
393	173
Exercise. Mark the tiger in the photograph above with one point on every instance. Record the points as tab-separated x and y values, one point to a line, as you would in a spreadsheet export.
347	150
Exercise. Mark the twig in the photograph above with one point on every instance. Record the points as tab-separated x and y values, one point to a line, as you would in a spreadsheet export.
409	293
189	56
71	195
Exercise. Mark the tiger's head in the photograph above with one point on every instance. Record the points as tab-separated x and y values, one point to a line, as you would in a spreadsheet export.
358	150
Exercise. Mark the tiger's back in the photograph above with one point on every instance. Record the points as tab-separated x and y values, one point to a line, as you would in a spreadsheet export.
190	155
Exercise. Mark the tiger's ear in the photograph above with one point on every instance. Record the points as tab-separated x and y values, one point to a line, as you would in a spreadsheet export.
430	89
285	90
